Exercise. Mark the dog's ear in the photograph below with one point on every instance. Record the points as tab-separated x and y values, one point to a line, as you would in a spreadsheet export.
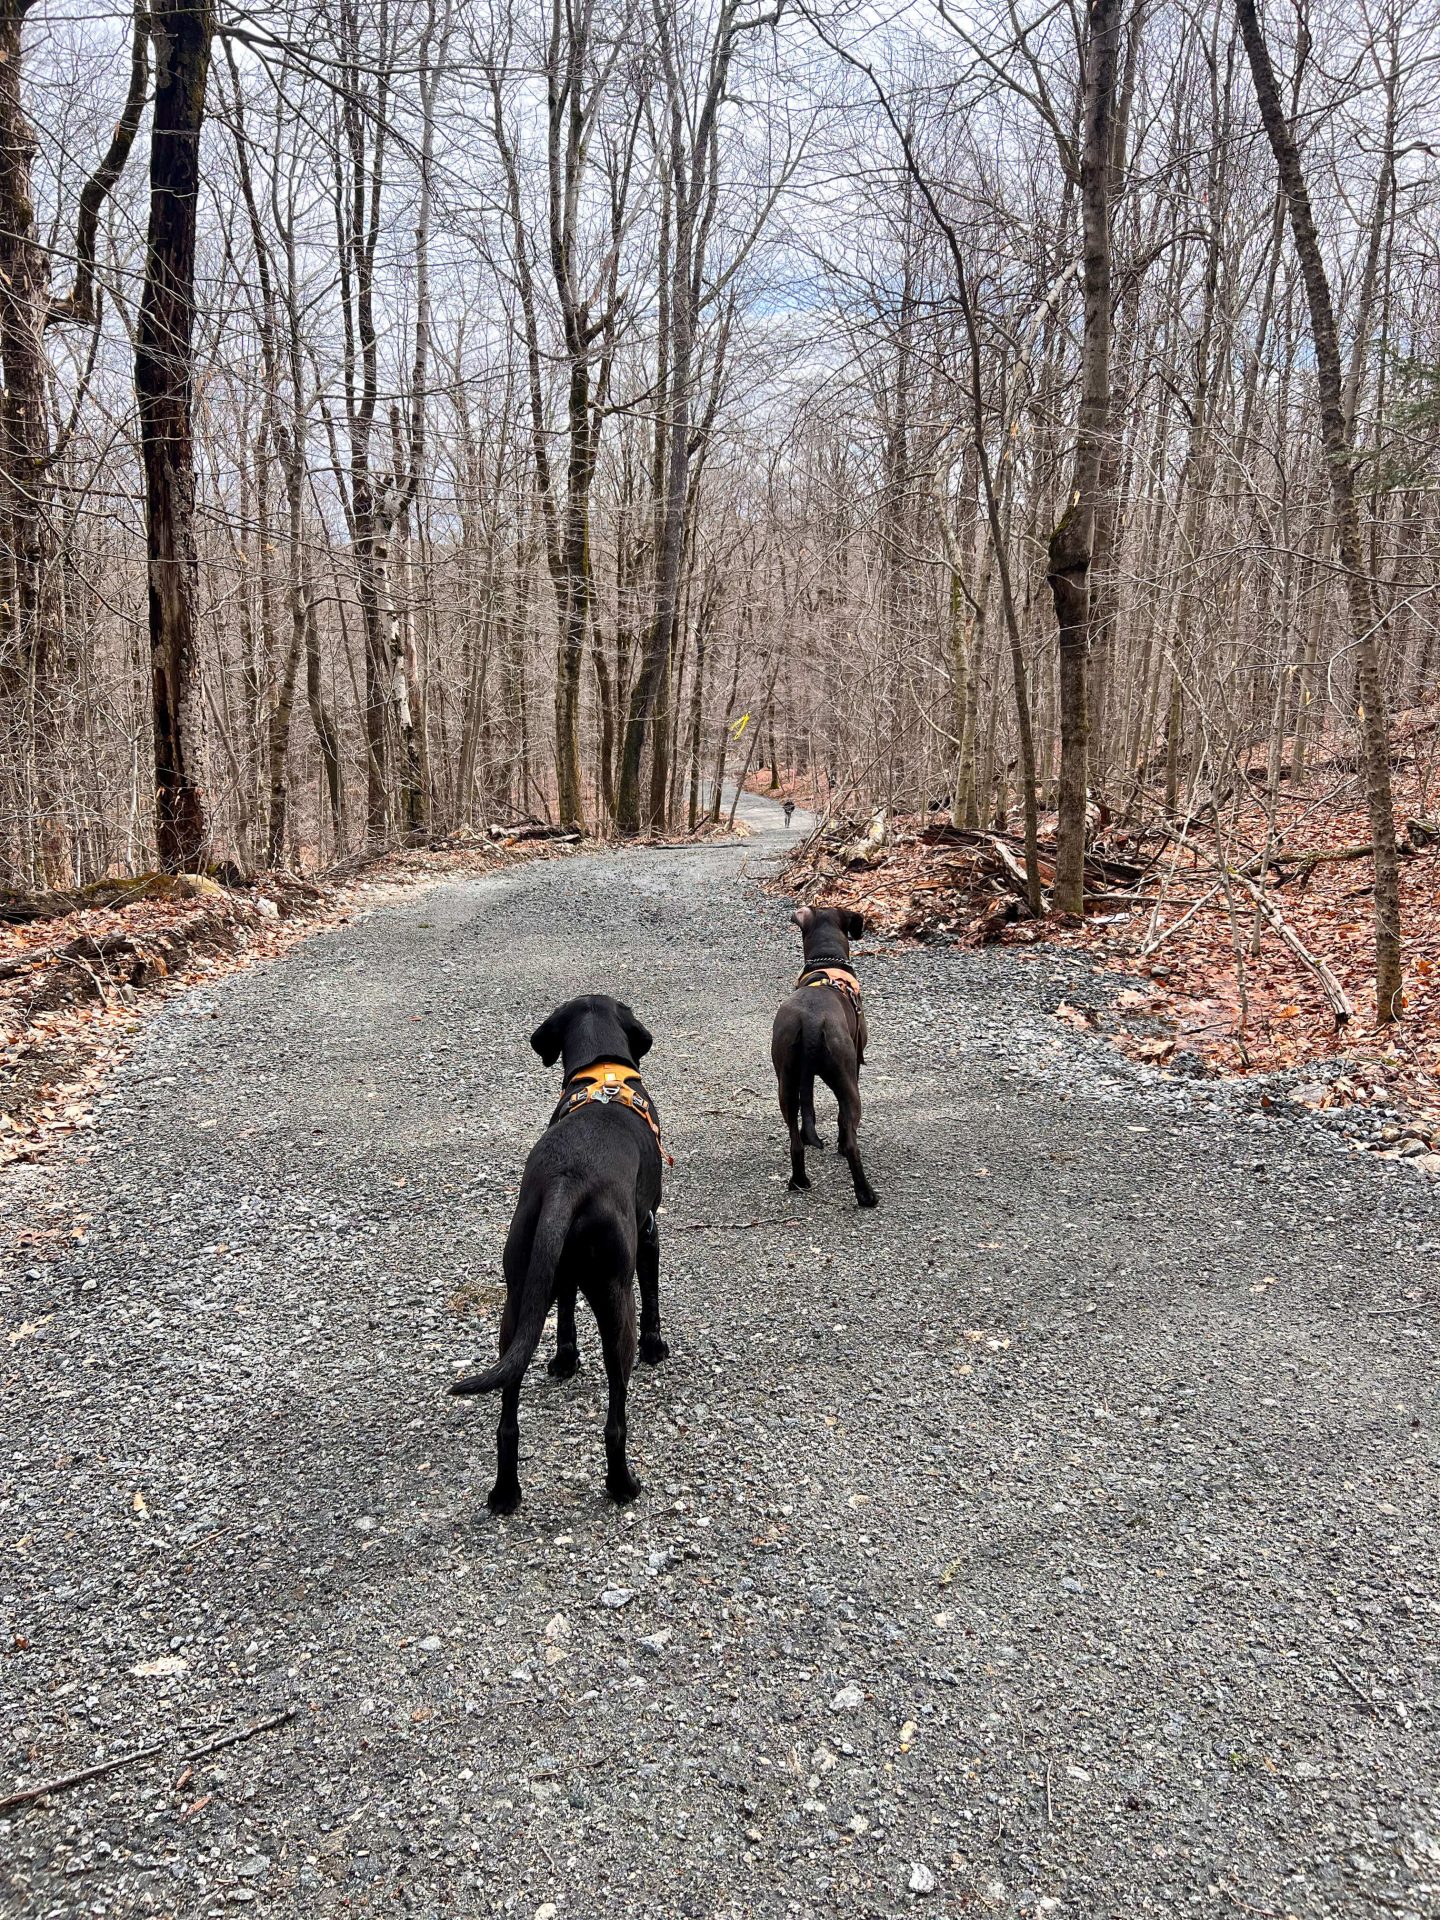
637	1037
548	1038
804	918
854	924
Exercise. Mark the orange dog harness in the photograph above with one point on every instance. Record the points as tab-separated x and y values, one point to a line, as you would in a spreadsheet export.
607	1081
838	977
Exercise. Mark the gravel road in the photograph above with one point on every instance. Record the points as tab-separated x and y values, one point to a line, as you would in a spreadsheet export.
1058	1539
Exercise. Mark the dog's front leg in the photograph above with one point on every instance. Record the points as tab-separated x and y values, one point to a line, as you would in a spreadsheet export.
647	1264
567	1347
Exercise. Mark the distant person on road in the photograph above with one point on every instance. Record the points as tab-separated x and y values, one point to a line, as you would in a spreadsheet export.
789	809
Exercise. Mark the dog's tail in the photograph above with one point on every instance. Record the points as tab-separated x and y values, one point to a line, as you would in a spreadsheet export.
818	1063
545	1250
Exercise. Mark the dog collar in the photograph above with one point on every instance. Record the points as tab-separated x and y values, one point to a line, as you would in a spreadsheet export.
605	1082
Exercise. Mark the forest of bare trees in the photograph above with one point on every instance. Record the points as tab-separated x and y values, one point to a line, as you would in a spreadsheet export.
429	413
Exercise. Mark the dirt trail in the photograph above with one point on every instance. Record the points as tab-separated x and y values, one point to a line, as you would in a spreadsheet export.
1058	1539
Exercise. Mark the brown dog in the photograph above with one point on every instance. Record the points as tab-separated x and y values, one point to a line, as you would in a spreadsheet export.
820	1032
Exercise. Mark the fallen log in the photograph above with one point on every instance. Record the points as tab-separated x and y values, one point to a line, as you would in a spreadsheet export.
531	830
1014	872
1314	857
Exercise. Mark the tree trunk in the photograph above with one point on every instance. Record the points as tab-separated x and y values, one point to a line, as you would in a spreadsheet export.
1340	466
164	366
1072	542
26	652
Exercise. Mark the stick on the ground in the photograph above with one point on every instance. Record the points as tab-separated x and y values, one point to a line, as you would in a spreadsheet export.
1153	941
1341	1005
241	1733
58	1785
1355	1687
25	1795
725	1226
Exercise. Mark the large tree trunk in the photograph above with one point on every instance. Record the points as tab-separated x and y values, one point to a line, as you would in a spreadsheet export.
575	597
648	708
1072	542
26	652
163	384
694	160
1335	433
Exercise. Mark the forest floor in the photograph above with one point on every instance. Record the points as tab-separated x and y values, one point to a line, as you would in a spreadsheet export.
1062	1538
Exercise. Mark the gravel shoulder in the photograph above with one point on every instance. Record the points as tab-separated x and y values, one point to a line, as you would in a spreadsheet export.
1058	1539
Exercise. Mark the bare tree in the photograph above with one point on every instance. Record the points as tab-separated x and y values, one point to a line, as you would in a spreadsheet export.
1072	542
164	383
1336	439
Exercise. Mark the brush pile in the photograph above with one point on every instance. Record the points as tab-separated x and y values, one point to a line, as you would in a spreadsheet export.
923	879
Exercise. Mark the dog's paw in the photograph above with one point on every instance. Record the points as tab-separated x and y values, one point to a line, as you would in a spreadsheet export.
503	1500
566	1363
798	1184
623	1491
865	1197
653	1348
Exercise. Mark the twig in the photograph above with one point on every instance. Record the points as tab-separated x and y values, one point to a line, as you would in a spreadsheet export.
724	1226
1049	1803
1154	941
280	1719
26	1794
1355	1687
1341	1005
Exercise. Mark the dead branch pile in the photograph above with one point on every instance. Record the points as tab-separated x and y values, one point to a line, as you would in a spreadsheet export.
926	879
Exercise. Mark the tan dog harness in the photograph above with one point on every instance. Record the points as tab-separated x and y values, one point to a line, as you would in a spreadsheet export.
607	1081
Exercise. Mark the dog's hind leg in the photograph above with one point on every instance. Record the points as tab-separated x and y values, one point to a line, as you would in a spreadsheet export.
647	1264
505	1494
790	1108
566	1363
848	1094
617	1335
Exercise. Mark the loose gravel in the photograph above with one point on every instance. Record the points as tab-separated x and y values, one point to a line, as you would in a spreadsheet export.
1059	1539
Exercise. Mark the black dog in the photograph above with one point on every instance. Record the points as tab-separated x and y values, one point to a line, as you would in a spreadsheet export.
584	1221
820	1030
